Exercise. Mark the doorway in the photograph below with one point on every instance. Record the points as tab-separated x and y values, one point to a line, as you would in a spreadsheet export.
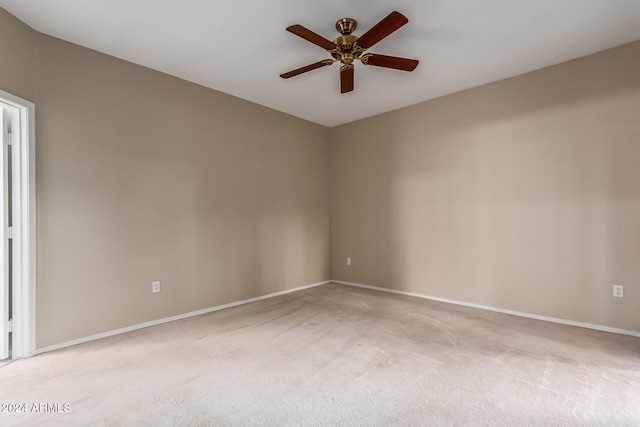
17	216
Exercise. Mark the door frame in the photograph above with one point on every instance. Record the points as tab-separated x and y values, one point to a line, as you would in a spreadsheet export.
23	160
5	114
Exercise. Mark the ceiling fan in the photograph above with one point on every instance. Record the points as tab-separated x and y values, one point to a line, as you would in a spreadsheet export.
348	48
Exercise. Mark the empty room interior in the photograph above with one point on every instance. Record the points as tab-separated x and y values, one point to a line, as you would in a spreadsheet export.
438	223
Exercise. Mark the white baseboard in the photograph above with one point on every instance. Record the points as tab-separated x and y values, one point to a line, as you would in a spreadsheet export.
499	310
358	285
171	319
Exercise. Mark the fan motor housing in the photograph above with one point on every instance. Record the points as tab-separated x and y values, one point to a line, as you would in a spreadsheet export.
345	43
347	51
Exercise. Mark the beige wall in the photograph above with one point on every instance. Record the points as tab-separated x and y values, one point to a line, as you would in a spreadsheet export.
142	177
523	194
17	46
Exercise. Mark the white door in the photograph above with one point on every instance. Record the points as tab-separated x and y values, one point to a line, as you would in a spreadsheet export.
4	247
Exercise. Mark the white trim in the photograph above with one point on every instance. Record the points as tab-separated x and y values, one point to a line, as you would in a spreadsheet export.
24	227
5	324
498	310
173	318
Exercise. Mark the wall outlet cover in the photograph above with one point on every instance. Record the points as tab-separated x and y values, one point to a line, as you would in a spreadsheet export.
618	291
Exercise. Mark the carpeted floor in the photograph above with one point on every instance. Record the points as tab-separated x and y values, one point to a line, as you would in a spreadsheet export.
336	355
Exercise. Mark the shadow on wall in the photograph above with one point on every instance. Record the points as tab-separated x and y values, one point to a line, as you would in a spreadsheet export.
520	194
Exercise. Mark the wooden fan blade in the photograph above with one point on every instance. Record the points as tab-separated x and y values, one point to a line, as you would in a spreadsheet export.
312	37
346	79
394	62
309	67
382	29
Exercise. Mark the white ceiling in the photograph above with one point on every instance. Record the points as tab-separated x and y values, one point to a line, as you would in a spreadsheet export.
240	46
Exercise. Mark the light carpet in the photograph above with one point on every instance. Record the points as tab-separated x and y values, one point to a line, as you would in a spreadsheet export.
336	355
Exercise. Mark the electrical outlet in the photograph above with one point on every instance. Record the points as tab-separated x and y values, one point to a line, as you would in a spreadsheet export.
348	261
618	291
155	287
